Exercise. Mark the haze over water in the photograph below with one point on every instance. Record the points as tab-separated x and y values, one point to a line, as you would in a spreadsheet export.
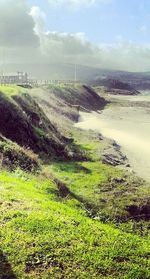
128	123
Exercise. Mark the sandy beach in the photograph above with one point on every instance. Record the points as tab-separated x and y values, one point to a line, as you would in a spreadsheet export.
127	121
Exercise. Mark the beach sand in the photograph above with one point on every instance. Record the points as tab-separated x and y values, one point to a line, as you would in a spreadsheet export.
127	121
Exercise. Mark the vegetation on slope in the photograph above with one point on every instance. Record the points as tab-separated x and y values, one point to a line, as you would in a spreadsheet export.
61	241
12	156
12	90
24	122
108	193
51	222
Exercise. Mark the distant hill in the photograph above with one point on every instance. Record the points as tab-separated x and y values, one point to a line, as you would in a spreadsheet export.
138	80
115	86
56	71
61	71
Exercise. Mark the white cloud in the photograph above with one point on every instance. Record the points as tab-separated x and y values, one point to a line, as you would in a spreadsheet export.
16	25
126	56
60	46
63	47
24	38
39	19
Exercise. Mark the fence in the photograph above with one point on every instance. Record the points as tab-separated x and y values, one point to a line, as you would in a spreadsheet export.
36	83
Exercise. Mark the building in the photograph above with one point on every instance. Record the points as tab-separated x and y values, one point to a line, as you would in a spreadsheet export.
15	78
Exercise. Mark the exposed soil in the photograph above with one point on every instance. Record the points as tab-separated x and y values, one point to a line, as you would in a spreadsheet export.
67	101
24	122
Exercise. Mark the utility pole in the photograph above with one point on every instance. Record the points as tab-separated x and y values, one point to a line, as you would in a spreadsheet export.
2	65
75	73
2	61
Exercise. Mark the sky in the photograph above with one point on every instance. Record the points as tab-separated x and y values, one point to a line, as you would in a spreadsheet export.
102	21
112	34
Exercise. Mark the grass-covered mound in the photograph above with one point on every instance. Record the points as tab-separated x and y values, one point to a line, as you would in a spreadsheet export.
45	236
12	156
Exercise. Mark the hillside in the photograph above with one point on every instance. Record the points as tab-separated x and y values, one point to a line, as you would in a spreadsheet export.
24	122
46	236
13	156
61	71
65	101
64	212
29	124
137	80
114	86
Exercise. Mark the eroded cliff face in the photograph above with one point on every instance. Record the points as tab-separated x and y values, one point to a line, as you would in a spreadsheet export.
30	119
23	121
63	102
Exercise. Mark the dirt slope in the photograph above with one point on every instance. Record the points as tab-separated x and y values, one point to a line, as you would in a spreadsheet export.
66	100
24	122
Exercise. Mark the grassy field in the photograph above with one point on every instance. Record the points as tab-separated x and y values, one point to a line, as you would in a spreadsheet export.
45	236
11	90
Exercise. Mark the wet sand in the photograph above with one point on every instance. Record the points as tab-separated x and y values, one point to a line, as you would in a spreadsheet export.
127	121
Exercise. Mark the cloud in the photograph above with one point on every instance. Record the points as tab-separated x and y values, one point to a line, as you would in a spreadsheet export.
126	56
67	44
66	48
39	18
60	46
57	47
24	39
16	25
76	4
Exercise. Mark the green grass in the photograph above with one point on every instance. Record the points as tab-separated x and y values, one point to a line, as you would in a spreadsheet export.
11	90
90	183
44	236
39	132
106	191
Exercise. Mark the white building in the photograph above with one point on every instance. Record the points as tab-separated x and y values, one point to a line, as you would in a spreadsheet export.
14	78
